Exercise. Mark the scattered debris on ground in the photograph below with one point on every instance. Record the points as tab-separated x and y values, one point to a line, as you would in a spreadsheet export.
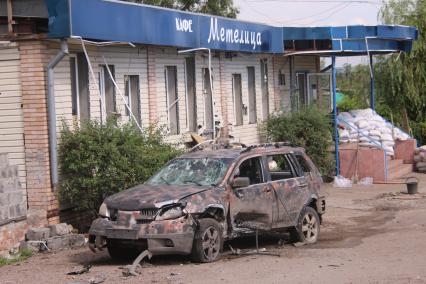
54	237
131	270
80	270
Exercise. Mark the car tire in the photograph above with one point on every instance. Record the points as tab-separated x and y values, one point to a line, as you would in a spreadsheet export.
307	229
208	241
120	253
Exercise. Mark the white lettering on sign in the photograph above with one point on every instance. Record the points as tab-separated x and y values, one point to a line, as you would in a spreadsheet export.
183	25
233	35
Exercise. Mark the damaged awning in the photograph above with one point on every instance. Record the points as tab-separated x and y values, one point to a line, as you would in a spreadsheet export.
348	40
118	21
129	22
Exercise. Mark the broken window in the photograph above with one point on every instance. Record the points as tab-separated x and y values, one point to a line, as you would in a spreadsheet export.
107	88
251	168
301	92
172	99
279	167
200	171
208	103
251	81
191	98
303	164
265	88
80	87
237	99
132	96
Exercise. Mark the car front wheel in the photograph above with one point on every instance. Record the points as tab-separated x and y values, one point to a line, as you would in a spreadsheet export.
308	227
207	241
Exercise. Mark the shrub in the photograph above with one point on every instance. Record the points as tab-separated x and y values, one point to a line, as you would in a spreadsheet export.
98	160
308	128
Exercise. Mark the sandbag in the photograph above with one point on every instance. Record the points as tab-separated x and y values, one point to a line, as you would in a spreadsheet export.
374	132
421	170
362	124
421	165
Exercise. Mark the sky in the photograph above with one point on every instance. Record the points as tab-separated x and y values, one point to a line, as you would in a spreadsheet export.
312	13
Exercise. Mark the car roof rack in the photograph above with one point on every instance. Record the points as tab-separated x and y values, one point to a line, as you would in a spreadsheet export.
267	145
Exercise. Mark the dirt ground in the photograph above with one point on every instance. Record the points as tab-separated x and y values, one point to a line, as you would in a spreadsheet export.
369	235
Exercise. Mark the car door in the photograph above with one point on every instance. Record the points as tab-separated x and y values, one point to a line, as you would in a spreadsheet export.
289	187
251	206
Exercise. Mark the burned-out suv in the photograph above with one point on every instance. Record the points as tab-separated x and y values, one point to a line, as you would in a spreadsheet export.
204	197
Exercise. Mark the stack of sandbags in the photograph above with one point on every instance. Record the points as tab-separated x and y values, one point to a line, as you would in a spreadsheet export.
366	127
420	159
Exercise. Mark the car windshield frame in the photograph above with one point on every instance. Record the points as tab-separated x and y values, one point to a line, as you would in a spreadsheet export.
192	171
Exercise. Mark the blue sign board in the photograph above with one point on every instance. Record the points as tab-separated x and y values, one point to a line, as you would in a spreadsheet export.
118	21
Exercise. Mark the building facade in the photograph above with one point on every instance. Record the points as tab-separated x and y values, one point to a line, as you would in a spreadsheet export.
196	75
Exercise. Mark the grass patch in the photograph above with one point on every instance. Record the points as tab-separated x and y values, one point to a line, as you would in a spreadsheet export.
21	256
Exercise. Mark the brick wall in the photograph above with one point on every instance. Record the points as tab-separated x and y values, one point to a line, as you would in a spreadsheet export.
34	59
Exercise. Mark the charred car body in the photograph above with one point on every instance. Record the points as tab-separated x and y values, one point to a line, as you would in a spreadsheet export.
202	198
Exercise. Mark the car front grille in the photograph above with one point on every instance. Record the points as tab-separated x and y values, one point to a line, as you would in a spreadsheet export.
147	215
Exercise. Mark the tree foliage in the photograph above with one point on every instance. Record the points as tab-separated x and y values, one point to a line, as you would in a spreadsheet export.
401	78
223	8
354	83
308	128
97	160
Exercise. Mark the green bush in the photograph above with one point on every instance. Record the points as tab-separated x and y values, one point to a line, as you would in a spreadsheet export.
98	160
308	128
350	103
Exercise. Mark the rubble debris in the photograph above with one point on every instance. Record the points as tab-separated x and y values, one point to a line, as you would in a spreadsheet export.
80	270
53	237
60	229
130	270
37	234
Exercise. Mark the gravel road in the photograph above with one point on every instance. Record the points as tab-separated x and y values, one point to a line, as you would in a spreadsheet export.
369	235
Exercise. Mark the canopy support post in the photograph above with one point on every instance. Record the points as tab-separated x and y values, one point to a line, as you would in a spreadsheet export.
336	132
372	99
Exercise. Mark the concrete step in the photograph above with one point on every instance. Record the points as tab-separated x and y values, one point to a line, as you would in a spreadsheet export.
400	171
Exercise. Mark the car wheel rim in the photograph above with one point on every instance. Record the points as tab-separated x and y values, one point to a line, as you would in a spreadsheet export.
310	228
211	243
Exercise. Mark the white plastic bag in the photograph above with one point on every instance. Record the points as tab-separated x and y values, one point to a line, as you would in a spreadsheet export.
367	181
341	181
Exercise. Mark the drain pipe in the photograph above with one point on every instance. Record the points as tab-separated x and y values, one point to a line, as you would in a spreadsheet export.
51	110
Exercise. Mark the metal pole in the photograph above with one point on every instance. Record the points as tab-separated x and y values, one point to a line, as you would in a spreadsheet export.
372	100
51	109
336	132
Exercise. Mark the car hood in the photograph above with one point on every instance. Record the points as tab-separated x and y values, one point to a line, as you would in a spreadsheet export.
151	196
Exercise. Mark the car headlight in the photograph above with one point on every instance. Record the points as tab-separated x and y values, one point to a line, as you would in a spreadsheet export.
103	211
172	212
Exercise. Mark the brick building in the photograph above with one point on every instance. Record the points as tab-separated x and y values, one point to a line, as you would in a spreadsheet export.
253	71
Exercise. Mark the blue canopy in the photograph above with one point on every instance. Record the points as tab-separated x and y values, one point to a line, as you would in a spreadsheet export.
108	20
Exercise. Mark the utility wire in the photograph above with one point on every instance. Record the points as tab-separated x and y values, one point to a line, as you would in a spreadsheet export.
329	15
320	1
329	11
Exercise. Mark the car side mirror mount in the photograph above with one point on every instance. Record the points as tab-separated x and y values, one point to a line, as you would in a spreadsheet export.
239	182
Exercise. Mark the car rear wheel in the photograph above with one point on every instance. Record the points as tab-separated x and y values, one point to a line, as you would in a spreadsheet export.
207	241
308	227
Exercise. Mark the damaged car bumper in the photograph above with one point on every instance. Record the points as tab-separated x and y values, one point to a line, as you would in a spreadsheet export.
160	237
